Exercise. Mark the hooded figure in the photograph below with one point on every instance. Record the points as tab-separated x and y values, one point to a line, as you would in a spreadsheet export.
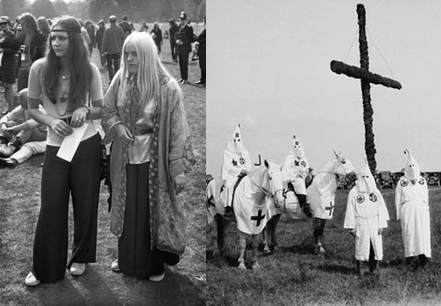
235	161
366	216
412	206
295	170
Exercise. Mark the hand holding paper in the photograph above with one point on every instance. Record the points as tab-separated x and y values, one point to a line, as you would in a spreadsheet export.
70	143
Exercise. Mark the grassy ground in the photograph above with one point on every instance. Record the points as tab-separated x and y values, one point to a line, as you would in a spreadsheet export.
19	208
293	275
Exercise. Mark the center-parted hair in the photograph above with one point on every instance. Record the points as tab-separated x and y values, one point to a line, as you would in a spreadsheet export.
150	67
78	65
29	19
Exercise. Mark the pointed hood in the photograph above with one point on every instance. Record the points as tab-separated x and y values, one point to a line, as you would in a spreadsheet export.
235	144
365	180
412	169
300	160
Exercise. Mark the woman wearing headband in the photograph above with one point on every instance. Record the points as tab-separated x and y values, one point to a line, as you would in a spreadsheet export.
68	84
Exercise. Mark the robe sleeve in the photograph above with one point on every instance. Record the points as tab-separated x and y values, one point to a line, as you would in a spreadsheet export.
398	191
181	155
350	211
383	214
110	115
225	165
426	194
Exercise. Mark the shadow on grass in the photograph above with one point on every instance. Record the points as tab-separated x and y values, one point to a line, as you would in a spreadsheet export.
61	293
333	268
174	289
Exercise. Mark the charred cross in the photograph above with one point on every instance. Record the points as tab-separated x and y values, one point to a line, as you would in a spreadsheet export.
366	78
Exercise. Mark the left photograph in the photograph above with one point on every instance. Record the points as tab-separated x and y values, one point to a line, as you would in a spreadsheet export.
102	152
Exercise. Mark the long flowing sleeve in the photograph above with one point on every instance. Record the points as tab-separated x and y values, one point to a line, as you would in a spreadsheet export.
181	156
398	200
350	212
110	115
383	213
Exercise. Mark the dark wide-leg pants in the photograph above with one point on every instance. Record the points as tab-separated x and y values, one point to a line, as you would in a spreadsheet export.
81	179
135	256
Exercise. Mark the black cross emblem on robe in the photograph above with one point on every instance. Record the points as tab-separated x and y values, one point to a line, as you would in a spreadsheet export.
330	208
209	202
234	162
258	218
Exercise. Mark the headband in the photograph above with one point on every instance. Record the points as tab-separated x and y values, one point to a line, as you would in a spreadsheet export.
71	31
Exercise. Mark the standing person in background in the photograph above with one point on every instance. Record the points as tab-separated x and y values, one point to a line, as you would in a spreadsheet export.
84	32
157	36
33	46
173	31
91	31
112	44
127	26
44	27
145	118
67	83
412	207
143	27
99	42
8	68
184	38
201	45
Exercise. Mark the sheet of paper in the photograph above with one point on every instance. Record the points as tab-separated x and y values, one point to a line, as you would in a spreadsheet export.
1	57
70	143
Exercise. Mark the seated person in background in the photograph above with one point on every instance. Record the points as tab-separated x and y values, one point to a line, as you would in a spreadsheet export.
20	136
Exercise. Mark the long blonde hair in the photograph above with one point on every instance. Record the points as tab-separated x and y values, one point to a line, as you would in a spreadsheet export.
150	67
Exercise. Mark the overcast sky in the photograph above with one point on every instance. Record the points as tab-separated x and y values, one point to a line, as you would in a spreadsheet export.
269	70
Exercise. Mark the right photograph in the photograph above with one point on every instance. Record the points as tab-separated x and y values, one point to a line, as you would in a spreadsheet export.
323	176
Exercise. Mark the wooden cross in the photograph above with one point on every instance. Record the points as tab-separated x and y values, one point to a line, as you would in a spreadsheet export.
366	78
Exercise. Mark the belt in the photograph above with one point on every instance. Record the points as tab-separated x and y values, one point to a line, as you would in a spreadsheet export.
138	132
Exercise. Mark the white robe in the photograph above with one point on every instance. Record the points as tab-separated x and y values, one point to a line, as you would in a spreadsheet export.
233	163
412	206
295	174
366	212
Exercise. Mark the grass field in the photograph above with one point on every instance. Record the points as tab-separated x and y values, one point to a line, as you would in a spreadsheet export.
184	284
293	275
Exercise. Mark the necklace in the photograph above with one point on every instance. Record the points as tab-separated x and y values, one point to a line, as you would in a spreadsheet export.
63	98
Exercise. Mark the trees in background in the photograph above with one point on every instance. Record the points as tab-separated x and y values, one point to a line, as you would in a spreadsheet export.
137	10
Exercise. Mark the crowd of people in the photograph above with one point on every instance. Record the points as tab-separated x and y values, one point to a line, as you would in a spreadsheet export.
60	94
25	41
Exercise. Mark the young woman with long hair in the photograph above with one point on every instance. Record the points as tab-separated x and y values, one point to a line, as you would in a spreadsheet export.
67	83
145	118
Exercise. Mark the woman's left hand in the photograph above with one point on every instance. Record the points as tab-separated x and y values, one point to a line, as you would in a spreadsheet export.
180	182
79	116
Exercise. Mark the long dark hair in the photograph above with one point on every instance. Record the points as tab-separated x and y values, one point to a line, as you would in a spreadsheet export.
78	65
